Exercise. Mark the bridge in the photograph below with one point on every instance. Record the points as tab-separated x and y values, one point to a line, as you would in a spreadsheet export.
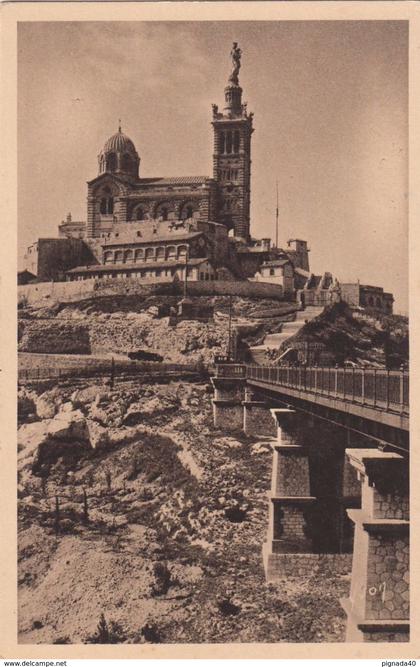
373	402
340	460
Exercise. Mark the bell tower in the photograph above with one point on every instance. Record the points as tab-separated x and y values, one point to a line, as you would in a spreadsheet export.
232	154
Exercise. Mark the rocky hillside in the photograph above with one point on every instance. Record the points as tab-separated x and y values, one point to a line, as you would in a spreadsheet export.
356	335
119	325
139	522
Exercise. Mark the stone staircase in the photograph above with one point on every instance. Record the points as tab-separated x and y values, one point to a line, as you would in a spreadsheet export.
289	329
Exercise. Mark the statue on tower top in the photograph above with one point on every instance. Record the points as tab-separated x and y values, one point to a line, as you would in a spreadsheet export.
235	55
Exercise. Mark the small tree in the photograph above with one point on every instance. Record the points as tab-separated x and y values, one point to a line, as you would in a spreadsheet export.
102	631
57	515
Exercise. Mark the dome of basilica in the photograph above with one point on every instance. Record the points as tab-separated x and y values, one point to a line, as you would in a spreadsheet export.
119	155
119	142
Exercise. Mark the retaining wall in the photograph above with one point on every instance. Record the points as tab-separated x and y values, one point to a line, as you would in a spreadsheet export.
83	289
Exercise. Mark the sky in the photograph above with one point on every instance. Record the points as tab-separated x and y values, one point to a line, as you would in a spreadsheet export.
331	126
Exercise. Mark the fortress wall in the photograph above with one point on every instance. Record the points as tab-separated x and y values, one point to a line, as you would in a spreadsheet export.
75	290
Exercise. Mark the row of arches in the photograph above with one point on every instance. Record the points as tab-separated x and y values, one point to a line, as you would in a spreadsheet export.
229	142
166	211
150	254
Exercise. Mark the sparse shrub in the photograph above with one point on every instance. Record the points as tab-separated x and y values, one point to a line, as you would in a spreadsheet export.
228	608
162	578
150	633
111	633
62	640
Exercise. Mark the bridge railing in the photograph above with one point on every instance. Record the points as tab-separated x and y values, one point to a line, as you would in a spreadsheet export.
388	390
229	370
86	370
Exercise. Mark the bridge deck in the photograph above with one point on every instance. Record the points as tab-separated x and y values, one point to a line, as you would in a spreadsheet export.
394	419
374	394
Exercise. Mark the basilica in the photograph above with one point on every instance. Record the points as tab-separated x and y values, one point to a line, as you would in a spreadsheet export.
162	227
184	227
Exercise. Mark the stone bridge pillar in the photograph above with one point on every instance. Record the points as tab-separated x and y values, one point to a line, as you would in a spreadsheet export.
257	418
289	497
378	607
229	393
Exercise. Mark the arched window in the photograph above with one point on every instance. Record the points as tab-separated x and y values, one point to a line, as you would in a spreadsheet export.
139	214
108	257
149	254
110	205
111	162
126	163
222	142
182	251
187	211
119	256
160	253
128	256
139	255
236	142
163	210
171	252
104	205
228	142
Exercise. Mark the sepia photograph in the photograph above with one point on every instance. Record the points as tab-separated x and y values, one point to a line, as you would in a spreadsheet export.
212	332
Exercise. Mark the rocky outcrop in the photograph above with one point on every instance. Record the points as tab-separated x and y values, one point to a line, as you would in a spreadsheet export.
43	442
48	403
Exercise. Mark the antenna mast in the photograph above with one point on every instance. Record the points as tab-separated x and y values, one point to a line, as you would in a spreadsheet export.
277	214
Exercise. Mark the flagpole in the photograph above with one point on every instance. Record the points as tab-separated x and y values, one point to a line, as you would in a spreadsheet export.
277	214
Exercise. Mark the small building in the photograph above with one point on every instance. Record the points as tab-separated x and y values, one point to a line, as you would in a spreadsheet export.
198	269
367	296
277	272
50	258
188	309
297	250
317	290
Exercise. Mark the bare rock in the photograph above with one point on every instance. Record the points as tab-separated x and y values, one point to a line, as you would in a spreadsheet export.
48	404
137	411
67	425
98	435
92	394
30	437
99	415
260	448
